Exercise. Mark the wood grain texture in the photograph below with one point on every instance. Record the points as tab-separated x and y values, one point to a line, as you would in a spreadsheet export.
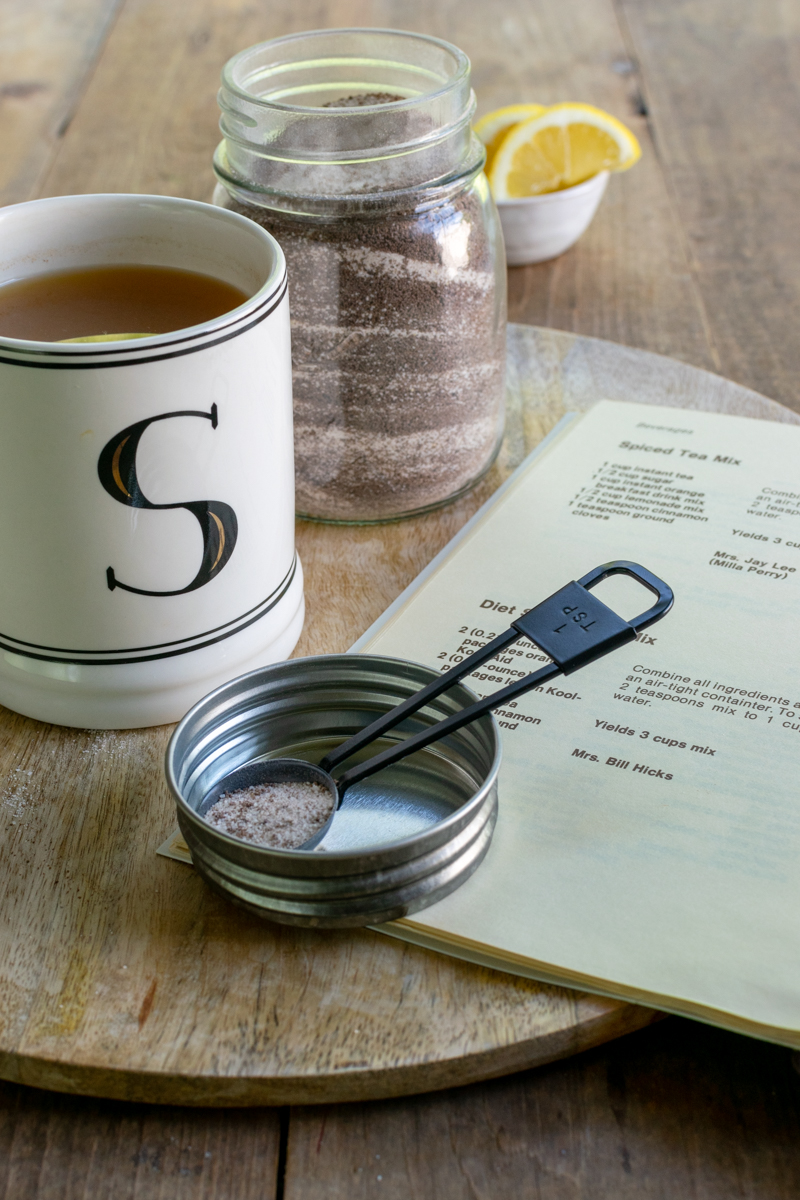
629	277
59	1148
693	255
122	975
676	1111
723	86
158	81
47	49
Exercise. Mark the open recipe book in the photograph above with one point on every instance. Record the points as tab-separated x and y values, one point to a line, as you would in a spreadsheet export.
648	840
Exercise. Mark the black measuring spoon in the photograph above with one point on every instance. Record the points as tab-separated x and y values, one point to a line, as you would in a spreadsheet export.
572	626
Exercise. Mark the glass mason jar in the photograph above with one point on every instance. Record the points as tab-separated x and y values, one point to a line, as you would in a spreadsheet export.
354	148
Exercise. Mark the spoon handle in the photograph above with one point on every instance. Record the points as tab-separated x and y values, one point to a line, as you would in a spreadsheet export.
572	626
418	700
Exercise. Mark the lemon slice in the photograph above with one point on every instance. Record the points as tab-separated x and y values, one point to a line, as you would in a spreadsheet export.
565	145
107	337
492	128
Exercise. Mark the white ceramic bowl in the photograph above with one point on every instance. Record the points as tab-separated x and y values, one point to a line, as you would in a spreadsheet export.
536	228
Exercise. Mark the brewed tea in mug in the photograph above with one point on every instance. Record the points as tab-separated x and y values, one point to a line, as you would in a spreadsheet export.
130	299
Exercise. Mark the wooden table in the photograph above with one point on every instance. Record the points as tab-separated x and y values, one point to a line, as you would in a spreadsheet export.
694	254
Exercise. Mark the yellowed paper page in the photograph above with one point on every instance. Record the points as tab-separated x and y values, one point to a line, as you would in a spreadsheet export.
649	829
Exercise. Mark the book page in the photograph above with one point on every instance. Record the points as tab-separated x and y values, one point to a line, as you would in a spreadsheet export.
648	841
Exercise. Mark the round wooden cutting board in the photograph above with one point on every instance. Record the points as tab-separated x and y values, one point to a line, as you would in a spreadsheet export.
121	975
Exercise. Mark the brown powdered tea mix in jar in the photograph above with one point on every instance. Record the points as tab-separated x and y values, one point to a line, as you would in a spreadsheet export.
398	358
395	263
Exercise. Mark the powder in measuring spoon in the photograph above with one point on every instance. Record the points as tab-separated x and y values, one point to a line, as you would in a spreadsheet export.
279	815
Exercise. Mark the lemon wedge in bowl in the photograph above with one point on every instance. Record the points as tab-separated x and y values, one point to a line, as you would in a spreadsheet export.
493	128
559	148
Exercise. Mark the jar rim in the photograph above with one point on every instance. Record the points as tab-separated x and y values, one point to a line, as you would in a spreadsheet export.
459	76
417	197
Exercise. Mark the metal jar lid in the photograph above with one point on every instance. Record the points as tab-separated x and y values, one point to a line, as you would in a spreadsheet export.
401	840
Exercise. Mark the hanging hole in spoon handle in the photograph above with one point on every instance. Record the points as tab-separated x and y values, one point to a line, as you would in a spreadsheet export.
572	626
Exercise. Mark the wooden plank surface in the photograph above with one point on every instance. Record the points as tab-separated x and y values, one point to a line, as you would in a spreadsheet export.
723	84
47	51
53	1146
628	279
692	254
674	1112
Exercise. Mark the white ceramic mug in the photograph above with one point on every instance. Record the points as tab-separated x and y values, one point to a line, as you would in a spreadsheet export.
146	487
